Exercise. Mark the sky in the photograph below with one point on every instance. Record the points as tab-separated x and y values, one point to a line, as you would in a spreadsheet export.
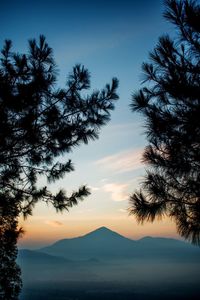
111	39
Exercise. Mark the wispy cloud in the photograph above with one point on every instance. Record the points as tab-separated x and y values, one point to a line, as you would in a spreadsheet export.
93	188
125	161
103	180
53	223
122	210
118	191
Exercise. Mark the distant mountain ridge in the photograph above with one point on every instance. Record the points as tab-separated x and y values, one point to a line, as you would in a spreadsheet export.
103	263
39	257
104	244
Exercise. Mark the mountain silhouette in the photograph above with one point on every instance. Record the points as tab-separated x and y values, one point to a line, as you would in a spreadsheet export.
104	243
103	264
36	257
100	243
105	235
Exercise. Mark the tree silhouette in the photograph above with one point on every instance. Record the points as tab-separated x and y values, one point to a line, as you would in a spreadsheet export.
10	279
39	122
170	104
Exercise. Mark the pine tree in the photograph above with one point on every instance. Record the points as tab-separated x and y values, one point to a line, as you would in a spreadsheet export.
39	122
10	274
170	104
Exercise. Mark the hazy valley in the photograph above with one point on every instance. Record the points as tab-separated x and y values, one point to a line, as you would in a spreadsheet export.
106	265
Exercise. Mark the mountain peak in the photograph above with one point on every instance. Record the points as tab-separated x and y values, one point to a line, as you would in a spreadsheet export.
104	244
102	231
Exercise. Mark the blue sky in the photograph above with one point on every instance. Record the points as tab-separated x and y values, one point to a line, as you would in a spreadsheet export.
111	39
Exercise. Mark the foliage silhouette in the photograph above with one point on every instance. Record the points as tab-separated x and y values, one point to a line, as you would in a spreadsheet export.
170	104
10	280
39	122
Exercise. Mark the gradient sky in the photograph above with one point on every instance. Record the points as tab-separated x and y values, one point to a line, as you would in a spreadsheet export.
110	38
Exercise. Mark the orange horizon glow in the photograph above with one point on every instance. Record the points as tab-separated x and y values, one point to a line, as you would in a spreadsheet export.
39	233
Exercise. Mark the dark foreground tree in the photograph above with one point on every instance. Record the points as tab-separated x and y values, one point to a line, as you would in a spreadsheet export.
39	122
10	275
170	104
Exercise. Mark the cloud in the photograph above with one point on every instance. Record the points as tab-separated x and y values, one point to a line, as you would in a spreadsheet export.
104	180
93	188
54	223
122	210
125	161
118	191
